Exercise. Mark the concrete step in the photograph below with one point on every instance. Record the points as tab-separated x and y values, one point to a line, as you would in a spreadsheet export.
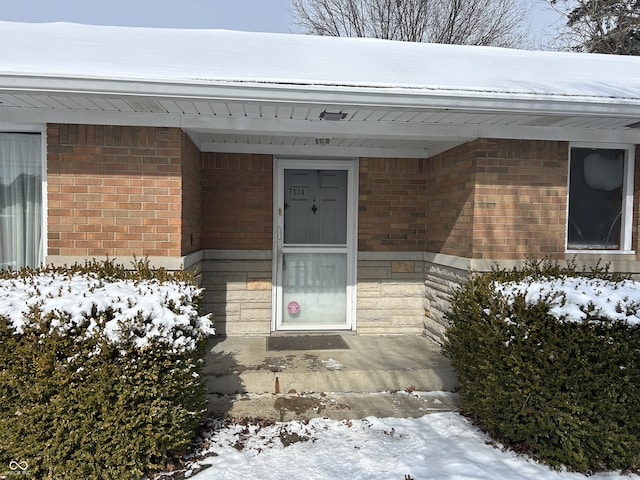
242	365
337	406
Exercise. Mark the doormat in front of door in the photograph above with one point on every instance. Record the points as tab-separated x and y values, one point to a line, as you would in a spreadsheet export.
306	342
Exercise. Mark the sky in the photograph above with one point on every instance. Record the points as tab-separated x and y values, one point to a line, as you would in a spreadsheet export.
248	15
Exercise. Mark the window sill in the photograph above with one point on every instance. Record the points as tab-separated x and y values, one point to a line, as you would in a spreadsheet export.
600	252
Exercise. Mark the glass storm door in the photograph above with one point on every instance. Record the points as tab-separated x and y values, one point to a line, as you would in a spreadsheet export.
315	231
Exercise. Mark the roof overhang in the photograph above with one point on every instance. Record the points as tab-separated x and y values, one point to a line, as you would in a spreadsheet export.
285	119
223	103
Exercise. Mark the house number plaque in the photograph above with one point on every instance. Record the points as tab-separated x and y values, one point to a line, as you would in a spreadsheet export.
296	192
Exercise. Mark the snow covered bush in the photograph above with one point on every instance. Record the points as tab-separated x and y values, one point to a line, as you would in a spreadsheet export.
99	369
548	362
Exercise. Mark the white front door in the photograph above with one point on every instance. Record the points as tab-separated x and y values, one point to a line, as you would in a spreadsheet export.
314	254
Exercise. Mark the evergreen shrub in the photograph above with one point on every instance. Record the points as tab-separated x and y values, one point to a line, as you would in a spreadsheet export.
565	392
84	396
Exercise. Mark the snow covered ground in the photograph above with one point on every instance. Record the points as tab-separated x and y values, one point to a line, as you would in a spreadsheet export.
443	446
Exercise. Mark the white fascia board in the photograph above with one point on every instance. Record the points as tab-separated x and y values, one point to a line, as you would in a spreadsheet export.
34	126
329	94
325	151
387	130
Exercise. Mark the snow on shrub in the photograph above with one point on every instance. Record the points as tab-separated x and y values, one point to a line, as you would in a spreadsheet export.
141	311
548	363
575	299
99	369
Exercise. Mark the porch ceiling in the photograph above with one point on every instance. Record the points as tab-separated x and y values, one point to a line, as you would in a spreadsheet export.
218	124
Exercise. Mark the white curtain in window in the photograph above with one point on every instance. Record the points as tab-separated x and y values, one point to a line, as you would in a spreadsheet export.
21	242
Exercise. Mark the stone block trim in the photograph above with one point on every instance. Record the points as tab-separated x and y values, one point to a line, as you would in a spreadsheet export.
117	191
390	294
238	291
440	281
237	201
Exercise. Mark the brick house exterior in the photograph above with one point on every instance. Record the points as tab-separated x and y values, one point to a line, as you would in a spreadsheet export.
123	191
168	186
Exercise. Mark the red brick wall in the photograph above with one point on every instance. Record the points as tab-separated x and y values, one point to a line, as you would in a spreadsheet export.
498	199
114	190
450	183
237	201
521	199
148	191
392	205
191	197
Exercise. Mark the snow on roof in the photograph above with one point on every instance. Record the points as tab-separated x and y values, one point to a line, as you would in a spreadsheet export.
74	51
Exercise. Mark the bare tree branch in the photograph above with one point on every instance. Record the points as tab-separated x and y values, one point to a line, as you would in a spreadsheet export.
471	22
600	26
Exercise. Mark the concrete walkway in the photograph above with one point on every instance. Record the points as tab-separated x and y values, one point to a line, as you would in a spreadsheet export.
378	375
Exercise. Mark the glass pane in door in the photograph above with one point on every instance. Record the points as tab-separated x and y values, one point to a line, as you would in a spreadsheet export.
315	207
314	288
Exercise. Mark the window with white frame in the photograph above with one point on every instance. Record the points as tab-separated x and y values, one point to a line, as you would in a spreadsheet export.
600	189
21	233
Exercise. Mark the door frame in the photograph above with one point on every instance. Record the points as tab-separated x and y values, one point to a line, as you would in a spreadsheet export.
351	165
